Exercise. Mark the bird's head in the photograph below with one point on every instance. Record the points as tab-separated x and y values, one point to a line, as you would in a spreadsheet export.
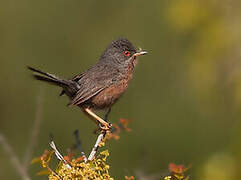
121	52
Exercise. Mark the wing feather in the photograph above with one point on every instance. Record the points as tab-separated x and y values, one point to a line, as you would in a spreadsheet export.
83	96
93	81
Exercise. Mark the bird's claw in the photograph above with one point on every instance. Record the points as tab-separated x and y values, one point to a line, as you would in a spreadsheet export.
105	127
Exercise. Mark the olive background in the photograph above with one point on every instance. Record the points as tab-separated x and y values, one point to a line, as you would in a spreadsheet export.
184	101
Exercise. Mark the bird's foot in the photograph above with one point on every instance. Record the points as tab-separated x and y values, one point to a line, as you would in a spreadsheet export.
105	127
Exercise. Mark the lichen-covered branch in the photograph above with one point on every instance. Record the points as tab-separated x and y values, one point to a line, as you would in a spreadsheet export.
96	146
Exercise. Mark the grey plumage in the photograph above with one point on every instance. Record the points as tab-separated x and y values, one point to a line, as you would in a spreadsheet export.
110	74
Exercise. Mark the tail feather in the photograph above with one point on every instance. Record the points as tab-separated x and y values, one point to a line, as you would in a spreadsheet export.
43	73
47	77
49	80
69	87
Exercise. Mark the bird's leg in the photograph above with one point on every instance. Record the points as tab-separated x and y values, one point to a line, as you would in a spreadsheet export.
107	114
104	125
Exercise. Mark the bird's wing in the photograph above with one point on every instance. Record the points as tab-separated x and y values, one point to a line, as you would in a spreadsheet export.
92	82
77	77
84	94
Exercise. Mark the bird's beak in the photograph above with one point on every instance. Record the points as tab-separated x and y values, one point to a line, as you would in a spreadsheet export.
140	53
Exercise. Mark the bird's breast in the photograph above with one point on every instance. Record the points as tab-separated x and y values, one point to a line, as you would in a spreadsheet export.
111	94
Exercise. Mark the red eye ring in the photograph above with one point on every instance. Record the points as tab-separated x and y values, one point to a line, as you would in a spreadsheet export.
127	53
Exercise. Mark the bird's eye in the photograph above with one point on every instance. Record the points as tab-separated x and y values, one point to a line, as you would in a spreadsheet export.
127	53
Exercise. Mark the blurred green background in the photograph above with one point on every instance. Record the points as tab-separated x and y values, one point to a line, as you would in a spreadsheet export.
184	100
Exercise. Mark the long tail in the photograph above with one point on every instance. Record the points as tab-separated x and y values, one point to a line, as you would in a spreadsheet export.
69	87
47	77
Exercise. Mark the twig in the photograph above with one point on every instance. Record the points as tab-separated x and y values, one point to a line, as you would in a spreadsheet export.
13	158
78	145
35	130
96	146
58	154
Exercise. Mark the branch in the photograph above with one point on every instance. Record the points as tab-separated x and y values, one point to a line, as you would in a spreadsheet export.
35	130
58	154
79	145
13	158
96	146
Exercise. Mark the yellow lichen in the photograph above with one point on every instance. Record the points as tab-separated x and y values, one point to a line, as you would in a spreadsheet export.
96	169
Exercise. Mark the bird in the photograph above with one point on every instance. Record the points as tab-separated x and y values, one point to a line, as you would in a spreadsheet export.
100	86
